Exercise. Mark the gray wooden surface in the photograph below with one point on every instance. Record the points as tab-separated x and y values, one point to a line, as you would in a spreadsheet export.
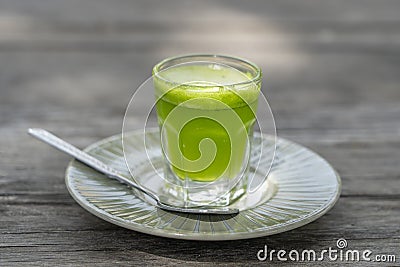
331	73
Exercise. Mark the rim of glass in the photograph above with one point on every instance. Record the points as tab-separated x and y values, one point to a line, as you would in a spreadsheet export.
257	77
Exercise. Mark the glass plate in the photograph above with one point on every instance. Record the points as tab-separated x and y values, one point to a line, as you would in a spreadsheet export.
300	188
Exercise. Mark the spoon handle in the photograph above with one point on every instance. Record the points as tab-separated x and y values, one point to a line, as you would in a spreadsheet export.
96	164
85	158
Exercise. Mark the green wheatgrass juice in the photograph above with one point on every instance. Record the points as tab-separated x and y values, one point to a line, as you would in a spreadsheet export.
205	83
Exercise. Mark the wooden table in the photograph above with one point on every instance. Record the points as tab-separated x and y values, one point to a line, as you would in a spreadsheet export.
331	73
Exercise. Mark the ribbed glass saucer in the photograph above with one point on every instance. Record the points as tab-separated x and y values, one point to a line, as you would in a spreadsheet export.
300	188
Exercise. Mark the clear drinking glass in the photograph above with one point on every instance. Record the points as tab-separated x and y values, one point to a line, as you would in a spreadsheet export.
206	109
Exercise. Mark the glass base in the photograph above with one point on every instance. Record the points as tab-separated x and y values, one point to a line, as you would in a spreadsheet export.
222	192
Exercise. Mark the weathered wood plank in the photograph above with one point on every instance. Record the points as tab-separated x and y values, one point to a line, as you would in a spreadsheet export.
48	230
311	84
102	10
368	161
128	27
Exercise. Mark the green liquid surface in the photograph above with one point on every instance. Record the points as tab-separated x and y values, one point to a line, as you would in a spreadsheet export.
205	107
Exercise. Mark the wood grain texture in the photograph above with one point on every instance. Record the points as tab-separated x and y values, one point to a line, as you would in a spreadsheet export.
331	74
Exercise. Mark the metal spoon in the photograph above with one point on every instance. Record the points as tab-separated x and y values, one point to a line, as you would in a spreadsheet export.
96	164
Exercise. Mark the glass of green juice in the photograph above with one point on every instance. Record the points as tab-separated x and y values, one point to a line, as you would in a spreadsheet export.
206	109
